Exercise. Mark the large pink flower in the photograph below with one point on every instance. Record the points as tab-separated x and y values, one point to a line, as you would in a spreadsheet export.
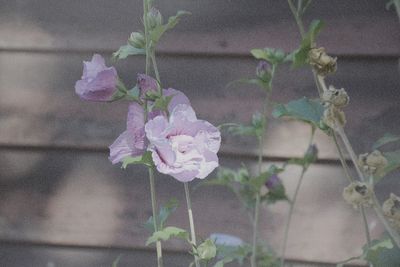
183	146
98	82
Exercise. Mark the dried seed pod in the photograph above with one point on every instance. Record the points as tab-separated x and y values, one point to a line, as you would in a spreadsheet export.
333	116
322	62
391	209
337	97
373	163
358	193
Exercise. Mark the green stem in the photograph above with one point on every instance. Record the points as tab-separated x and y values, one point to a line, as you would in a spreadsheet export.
342	159
151	171
297	18
292	204
153	60
191	222
155	219
253	259
397	6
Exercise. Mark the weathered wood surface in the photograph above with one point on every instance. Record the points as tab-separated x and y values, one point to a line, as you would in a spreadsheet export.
215	27
56	184
76	198
33	255
38	105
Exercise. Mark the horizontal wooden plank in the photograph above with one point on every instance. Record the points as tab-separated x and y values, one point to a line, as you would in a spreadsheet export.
229	27
17	255
81	199
38	105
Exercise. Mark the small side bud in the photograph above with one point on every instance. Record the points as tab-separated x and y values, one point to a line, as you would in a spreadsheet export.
263	71
337	97
391	209
322	62
273	182
373	163
137	40
154	18
333	116
358	193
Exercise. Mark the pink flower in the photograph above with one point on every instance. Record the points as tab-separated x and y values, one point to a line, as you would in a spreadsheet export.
132	141
183	146
98	82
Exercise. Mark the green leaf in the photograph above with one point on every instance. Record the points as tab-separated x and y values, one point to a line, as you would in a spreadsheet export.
206	250
162	103
145	159
304	109
158	31
386	139
275	195
300	55
116	261
393	158
382	253
167	233
255	129
127	50
256	81
163	215
273	56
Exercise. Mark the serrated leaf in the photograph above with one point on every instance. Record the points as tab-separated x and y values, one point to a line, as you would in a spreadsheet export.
386	139
167	233
273	56
163	215
304	109
162	103
158	31
393	158
127	50
145	159
256	81
206	250
300	55
382	253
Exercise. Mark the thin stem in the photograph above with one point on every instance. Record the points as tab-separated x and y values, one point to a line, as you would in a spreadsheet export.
397	6
146	34
366	227
297	18
253	259
153	60
155	219
191	222
342	159
292	203
289	219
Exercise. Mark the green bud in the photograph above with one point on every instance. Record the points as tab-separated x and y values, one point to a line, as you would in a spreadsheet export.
137	40
154	18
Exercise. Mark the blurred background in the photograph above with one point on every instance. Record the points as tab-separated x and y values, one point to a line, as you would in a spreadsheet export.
62	203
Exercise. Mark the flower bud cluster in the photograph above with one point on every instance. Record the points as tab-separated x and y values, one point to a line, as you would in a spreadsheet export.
373	163
322	63
137	40
154	18
358	193
391	209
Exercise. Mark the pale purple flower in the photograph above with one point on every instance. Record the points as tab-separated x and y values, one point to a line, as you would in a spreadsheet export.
183	146
273	182
98	82
263	70
131	142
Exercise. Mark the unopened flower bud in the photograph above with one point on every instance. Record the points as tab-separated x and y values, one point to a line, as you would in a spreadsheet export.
337	97
147	85
322	62
154	18
391	209
263	71
333	117
373	163
273	182
358	193
137	40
